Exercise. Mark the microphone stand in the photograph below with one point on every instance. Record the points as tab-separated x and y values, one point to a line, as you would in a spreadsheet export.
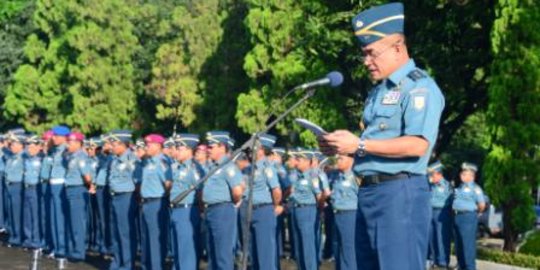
249	144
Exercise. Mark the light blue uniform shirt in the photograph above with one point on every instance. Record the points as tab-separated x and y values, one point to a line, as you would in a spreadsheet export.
103	169
2	162
323	178
265	179
441	194
32	169
14	170
217	188
467	196
344	191
155	171
58	167
121	174
94	165
185	177
46	164
305	188
407	103
78	166
282	175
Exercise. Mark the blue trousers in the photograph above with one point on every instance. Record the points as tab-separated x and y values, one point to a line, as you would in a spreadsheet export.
45	216
2	199
305	229
465	240
104	238
440	235
345	231
32	238
185	224
330	242
263	248
77	201
93	223
154	234
393	224
221	223
14	207
58	211
123	206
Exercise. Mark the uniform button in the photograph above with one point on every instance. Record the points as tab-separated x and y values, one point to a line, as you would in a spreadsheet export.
382	126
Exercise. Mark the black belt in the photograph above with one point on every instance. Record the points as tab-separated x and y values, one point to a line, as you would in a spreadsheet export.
338	211
255	206
461	212
216	204
115	193
299	205
30	185
12	183
375	179
74	186
147	200
181	205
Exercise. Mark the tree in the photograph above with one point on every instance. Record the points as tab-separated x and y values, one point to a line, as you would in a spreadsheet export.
512	168
78	68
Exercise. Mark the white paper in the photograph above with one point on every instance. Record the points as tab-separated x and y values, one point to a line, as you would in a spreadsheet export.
317	130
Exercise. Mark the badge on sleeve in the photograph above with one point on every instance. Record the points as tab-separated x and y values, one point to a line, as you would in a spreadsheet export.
315	182
478	191
269	173
230	172
391	98
419	102
82	164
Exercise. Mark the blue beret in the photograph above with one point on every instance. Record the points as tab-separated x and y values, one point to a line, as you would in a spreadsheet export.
378	22
436	166
267	140
118	136
467	166
188	140
213	137
61	130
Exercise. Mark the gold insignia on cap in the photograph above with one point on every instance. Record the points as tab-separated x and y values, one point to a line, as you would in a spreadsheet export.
359	24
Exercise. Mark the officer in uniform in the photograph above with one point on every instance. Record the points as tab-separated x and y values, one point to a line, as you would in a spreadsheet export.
344	202
105	242
92	147
32	167
277	157
154	179
44	191
185	216
324	212
121	182
3	150
305	196
14	172
468	202
220	192
78	183
266	206
441	220
401	119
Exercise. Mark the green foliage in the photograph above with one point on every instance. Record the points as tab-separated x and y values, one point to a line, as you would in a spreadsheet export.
79	68
512	167
515	259
532	244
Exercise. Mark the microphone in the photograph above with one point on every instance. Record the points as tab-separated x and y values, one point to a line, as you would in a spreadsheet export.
333	78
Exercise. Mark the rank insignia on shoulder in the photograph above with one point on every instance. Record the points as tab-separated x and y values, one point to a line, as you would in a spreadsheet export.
416	75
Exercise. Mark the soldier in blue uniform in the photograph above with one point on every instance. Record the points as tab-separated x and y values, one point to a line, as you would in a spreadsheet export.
104	239
277	157
306	193
185	216
324	213
220	193
14	172
45	200
401	119
441	219
78	183
154	179
32	167
344	200
468	202
121	182
3	150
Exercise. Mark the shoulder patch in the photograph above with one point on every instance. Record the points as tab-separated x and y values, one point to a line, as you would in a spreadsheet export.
416	75
231	172
478	191
269	173
315	182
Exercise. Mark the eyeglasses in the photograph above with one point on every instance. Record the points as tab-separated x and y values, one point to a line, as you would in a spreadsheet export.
374	55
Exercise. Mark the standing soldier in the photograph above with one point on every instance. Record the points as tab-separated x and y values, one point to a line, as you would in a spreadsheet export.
441	219
278	154
155	178
14	173
45	196
220	193
185	216
344	201
305	195
92	147
103	199
32	167
78	184
3	150
121	181
324	211
468	202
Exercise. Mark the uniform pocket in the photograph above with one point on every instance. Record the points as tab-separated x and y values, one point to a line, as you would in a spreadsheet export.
386	111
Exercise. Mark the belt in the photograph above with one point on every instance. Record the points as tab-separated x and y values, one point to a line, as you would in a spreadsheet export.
116	193
255	206
12	183
147	200
181	205
30	185
461	212
375	179
216	204
74	186
338	211
299	205
57	181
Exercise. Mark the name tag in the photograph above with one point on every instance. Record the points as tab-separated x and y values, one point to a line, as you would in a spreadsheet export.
391	98
346	183
304	182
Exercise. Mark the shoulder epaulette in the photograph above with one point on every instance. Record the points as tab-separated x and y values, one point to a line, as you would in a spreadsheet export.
416	75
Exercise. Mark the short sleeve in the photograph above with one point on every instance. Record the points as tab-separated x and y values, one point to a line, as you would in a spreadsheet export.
85	166
422	112
234	176
137	173
316	186
272	178
479	194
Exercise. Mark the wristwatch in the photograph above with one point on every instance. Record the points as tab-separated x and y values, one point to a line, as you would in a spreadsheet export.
361	151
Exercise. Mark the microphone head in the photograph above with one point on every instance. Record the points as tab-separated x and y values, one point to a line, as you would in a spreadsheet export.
335	77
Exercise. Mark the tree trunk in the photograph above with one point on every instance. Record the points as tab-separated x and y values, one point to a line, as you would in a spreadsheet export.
509	233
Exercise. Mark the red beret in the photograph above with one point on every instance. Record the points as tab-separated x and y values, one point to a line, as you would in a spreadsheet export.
76	136
154	138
